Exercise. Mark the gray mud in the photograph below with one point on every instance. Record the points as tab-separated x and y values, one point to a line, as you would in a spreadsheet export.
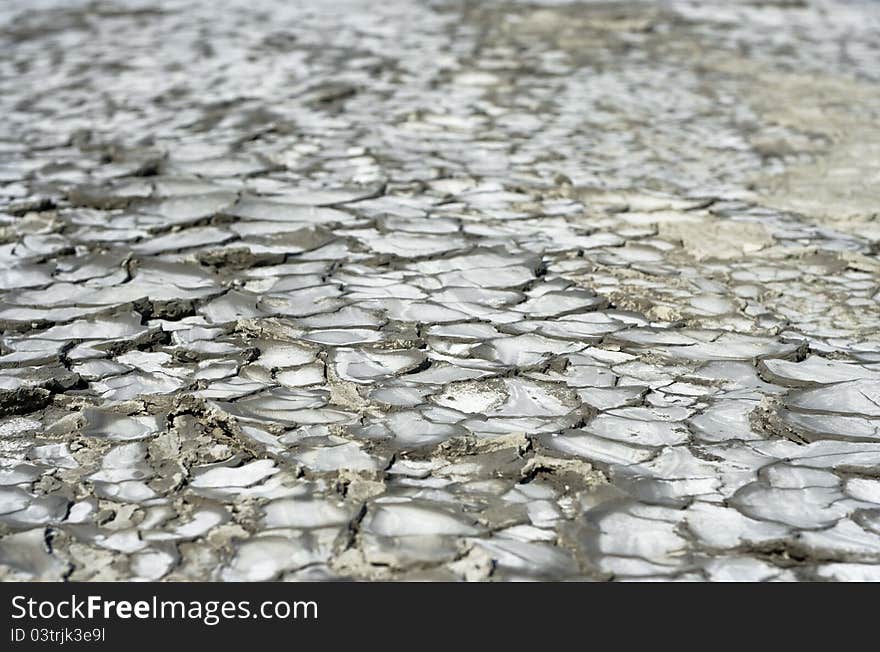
439	290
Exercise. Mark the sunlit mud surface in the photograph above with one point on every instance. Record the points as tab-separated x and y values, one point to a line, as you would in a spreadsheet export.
439	290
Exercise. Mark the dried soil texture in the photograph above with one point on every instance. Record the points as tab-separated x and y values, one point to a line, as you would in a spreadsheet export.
439	290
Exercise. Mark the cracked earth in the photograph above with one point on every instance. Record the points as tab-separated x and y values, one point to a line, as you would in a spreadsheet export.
439	290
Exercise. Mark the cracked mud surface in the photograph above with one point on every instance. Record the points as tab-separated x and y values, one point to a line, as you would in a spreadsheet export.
439	290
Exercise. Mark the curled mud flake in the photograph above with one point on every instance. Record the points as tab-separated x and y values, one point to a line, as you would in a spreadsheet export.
409	519
348	456
264	558
857	397
110	425
242	476
813	371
